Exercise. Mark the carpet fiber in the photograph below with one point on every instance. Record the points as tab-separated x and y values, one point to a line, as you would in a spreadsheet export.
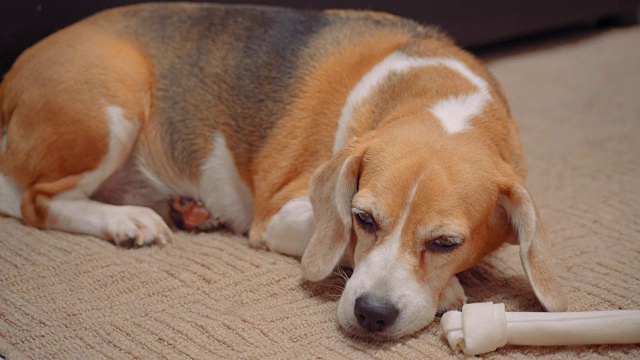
207	296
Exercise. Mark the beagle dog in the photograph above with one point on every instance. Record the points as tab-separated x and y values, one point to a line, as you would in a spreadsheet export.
345	137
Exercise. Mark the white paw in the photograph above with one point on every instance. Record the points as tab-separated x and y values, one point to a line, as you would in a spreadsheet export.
257	241
290	230
452	296
137	225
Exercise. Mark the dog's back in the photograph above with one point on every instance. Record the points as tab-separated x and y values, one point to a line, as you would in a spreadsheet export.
173	75
328	135
239	68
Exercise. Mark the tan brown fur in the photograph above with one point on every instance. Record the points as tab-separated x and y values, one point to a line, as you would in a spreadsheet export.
323	91
404	138
274	86
63	130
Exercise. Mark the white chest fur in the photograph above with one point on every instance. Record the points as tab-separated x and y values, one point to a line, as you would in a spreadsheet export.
222	190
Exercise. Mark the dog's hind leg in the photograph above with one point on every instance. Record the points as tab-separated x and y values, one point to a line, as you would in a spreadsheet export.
72	210
10	191
72	107
10	197
64	203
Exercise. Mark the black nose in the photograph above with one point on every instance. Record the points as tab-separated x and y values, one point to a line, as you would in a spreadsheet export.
374	315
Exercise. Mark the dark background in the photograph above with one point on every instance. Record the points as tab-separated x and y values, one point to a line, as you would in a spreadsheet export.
472	23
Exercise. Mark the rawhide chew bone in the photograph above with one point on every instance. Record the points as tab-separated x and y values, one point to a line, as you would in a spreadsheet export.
484	327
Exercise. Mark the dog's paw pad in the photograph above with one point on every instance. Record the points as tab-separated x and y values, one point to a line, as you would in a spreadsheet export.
452	296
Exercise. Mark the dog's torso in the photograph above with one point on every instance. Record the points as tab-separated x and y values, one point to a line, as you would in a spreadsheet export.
347	135
233	77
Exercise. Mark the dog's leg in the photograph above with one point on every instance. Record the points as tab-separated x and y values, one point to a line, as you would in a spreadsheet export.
123	225
291	228
64	203
73	211
10	197
285	223
75	105
452	296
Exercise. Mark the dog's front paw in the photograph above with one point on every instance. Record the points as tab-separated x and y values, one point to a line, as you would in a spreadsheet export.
137	226
452	296
256	240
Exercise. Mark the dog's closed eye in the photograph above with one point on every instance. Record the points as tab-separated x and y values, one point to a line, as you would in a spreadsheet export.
365	220
443	244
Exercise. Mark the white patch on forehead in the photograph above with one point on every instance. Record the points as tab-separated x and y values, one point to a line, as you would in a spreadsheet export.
448	111
405	214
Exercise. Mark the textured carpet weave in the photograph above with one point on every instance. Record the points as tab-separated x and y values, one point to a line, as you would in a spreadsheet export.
210	296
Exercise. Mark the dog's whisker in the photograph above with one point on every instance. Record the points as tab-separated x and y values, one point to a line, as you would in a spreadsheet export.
333	286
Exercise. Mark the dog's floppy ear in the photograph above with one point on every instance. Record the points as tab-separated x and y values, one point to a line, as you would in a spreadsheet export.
531	237
331	189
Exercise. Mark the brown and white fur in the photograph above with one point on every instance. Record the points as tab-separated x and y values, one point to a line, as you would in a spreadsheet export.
338	136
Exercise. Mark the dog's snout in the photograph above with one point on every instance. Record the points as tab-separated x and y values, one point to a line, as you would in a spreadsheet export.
374	315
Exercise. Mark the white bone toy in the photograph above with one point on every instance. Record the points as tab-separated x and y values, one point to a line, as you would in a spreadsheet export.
484	327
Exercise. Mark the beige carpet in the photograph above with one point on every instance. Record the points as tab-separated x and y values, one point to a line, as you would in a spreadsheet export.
211	296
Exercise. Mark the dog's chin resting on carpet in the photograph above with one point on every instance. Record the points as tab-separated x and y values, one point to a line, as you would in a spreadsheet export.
344	137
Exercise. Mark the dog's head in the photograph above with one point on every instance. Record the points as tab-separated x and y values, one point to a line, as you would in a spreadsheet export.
410	211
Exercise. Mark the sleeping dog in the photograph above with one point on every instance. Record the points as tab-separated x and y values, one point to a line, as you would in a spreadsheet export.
344	137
